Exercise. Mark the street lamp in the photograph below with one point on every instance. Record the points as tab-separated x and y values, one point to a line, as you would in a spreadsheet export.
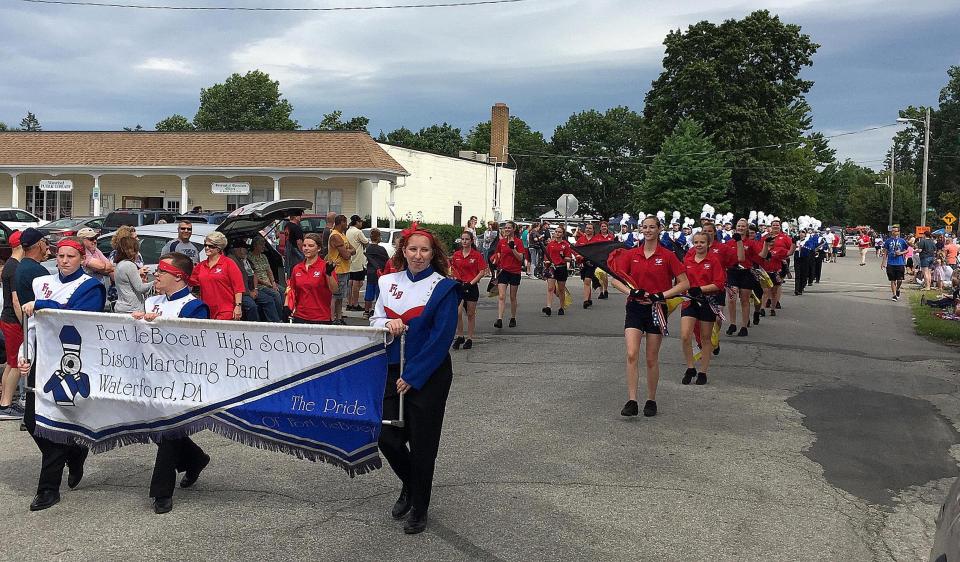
890	185
926	162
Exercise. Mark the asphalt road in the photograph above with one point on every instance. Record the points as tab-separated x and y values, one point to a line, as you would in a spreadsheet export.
829	433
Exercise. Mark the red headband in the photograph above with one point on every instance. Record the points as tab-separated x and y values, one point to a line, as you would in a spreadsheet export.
415	229
171	269
71	244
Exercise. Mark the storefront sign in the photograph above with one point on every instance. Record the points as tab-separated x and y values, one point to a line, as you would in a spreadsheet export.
56	185
230	188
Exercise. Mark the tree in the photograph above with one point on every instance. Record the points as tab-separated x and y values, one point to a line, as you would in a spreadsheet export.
741	81
535	189
599	163
3	126
834	185
686	173
439	139
137	129
251	102
333	122
870	204
30	123
175	122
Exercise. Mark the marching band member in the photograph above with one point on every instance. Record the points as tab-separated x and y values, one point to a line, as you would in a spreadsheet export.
174	454
706	277
652	271
557	255
422	302
588	271
771	258
739	277
604	236
508	256
468	268
68	289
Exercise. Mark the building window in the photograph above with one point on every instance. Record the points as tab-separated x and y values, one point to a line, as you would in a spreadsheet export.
108	202
328	201
172	204
49	205
255	196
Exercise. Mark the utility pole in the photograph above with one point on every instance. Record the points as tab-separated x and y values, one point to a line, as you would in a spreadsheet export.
893	157
926	163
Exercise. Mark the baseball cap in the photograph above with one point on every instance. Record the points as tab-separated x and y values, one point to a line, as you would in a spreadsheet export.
30	236
14	239
86	232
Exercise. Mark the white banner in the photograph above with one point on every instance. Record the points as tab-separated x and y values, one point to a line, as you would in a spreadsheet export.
315	391
56	185
230	188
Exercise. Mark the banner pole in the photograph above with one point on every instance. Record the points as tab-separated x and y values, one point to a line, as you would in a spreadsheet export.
399	422
26	347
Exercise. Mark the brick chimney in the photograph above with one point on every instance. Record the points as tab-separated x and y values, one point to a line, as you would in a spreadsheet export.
499	133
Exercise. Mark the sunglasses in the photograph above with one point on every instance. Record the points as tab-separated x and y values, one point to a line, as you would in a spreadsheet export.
187	229
211	246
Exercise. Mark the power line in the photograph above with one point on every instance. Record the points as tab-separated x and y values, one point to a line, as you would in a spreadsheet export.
268	9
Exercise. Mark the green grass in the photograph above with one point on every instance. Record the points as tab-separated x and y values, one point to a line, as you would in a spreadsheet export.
929	325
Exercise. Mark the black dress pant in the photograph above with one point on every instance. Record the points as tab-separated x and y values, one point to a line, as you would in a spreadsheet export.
412	449
817	267
801	270
173	456
53	456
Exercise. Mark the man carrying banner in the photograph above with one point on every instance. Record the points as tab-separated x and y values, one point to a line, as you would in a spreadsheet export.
421	301
182	454
69	289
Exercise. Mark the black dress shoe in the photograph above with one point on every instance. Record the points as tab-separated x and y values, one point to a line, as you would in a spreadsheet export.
468	344
458	342
650	408
560	312
546	310
162	505
743	332
716	349
587	303
778	306
513	323
701	378
498	323
76	475
190	478
603	295
756	317
45	499
688	375
630	408
732	329
416	522
402	505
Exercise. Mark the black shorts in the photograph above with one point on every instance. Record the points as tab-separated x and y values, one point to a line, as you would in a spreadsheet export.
698	310
507	278
776	278
909	263
895	272
740	278
357	275
640	317
469	293
558	273
588	272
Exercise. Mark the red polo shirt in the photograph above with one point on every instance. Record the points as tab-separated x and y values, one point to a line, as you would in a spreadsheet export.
604	237
864	242
558	252
507	261
218	286
466	268
709	271
654	274
774	261
783	241
751	251
309	295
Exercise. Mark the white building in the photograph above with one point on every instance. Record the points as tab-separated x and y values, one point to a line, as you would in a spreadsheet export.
343	172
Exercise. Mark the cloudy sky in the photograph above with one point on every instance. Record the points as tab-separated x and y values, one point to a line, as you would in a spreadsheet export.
105	68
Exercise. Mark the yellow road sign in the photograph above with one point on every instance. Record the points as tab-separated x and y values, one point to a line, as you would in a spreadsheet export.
949	218
949	228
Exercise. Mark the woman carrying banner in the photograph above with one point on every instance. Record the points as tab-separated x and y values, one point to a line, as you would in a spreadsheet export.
69	289
220	281
468	268
707	278
557	255
422	302
174	454
311	285
651	271
508	255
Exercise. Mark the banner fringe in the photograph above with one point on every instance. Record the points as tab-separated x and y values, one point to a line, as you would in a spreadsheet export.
218	427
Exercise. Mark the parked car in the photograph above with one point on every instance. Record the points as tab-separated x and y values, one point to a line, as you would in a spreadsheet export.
388	238
313	223
18	219
5	251
55	230
946	540
136	218
206	217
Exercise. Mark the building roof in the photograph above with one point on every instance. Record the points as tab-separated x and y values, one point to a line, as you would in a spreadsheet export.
353	151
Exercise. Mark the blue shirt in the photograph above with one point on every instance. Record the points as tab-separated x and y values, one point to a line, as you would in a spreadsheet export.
893	245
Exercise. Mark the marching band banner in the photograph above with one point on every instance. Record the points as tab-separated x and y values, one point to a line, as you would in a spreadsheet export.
316	392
